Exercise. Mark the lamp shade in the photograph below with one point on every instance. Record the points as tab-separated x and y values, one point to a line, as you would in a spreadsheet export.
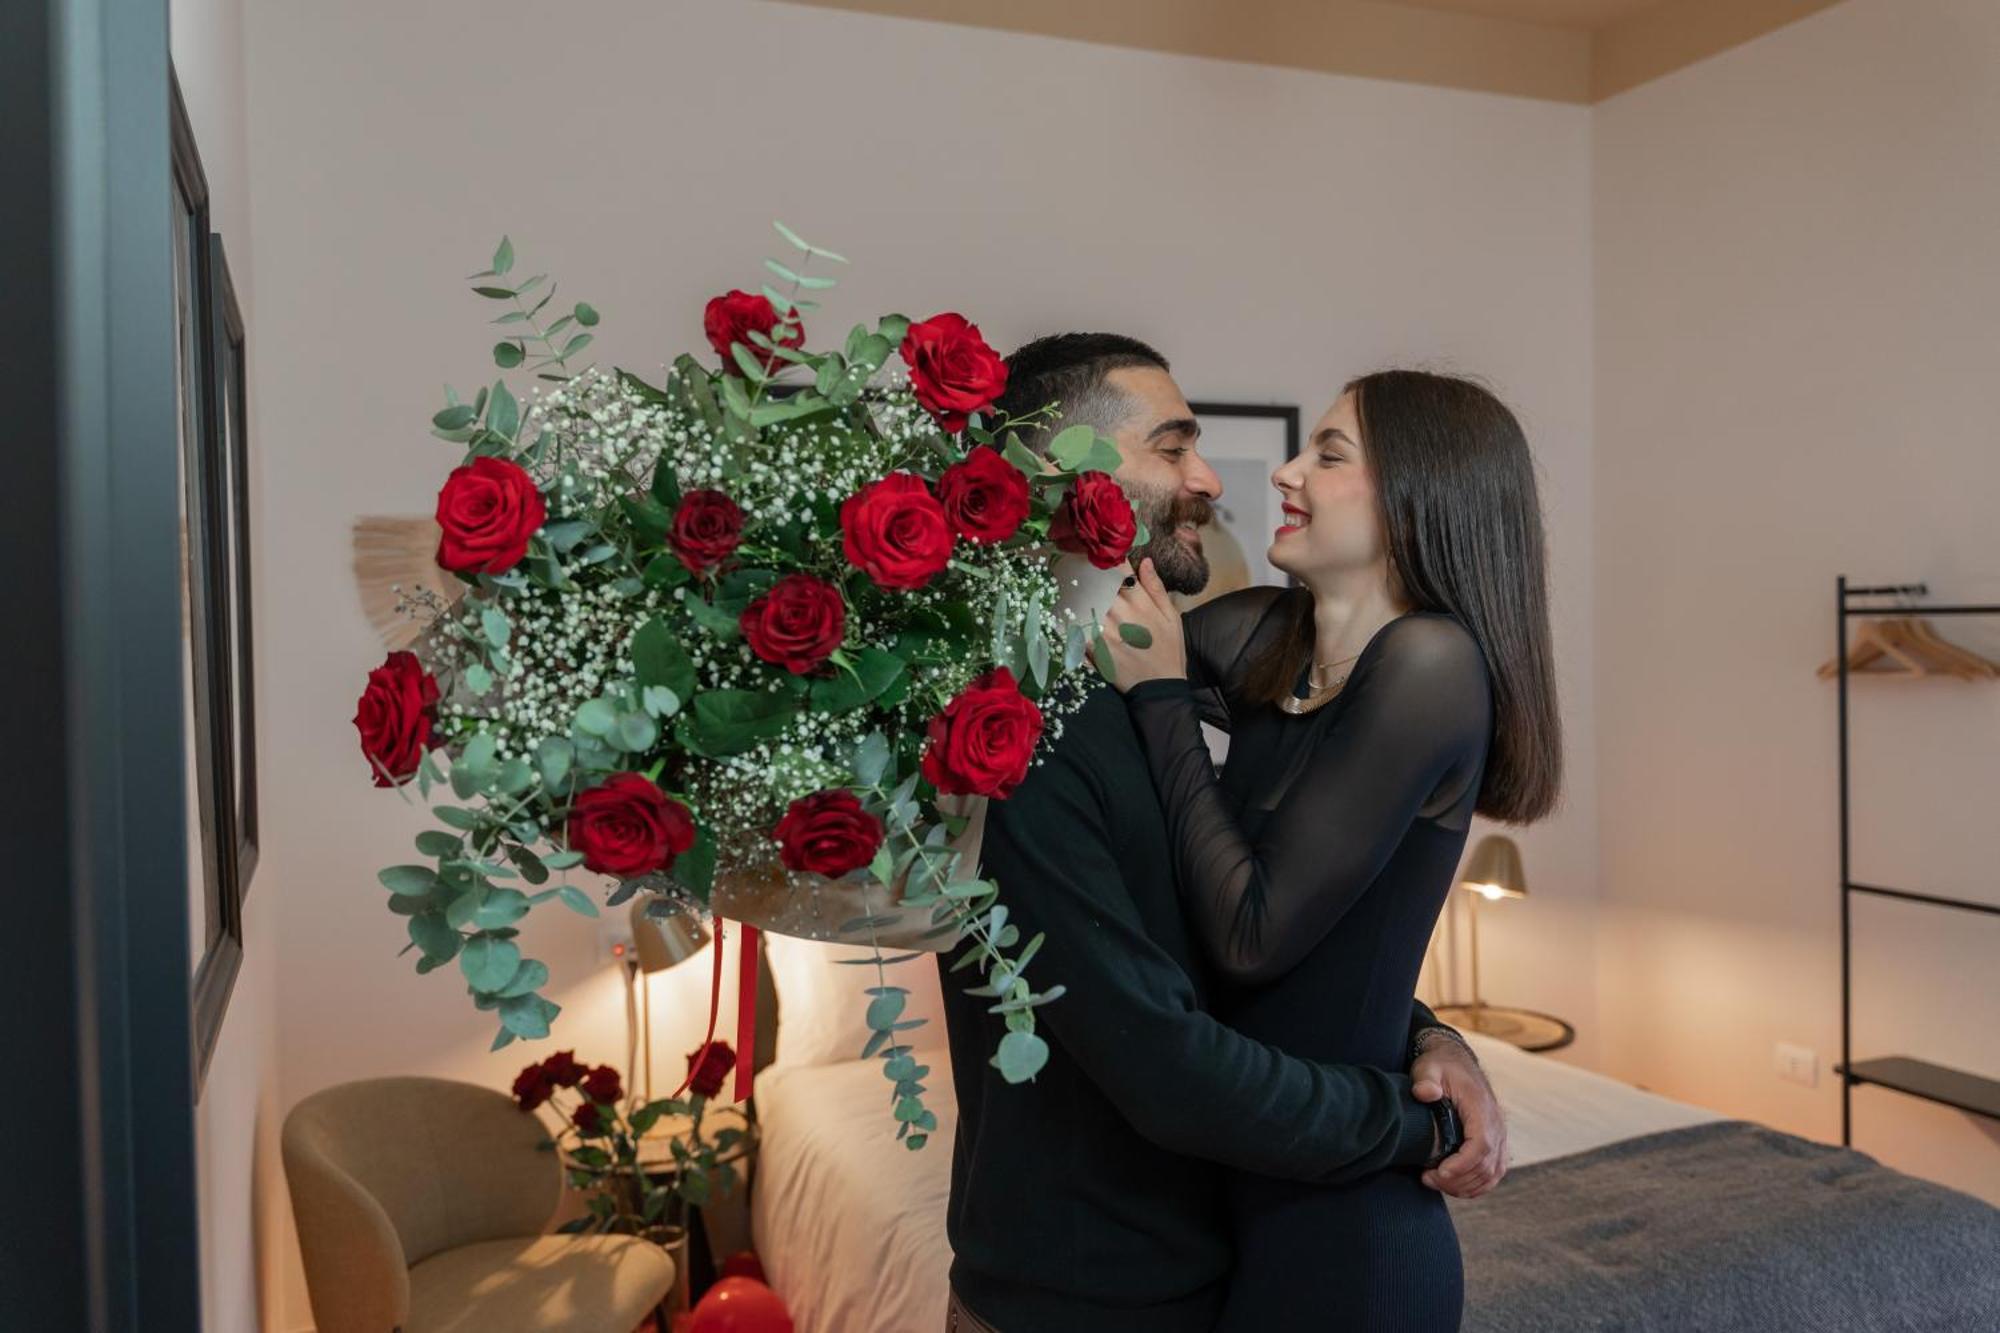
1494	871
659	942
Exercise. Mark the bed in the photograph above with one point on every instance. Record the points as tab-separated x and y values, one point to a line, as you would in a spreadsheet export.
1622	1210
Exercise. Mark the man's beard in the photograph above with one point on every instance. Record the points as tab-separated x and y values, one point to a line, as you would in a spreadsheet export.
1182	567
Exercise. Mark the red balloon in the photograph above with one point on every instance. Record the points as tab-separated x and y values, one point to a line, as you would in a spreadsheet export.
744	1263
740	1305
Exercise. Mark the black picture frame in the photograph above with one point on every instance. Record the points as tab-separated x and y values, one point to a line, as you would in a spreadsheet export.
216	928
231	375
1244	443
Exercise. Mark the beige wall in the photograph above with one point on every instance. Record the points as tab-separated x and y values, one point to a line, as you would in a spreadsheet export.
1273	231
1798	325
241	1198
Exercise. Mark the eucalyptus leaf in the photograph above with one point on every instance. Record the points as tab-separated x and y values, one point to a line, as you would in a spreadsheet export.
1021	1056
577	900
489	963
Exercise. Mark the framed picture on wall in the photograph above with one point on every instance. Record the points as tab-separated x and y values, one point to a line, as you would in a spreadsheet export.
233	548
215	931
1244	443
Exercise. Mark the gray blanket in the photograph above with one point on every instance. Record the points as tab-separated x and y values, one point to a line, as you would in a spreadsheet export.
1727	1227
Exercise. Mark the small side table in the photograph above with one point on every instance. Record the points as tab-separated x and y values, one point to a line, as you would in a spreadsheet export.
1524	1028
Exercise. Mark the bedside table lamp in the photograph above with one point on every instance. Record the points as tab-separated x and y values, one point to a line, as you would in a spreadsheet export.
1494	872
658	943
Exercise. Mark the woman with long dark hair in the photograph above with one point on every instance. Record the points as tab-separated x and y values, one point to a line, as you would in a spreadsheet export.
1402	685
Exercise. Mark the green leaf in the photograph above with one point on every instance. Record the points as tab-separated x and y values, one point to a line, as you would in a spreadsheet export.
1136	635
735	397
508	354
454	418
577	900
637	732
1021	456
597	718
478	679
528	1015
1021	1056
432	842
503	414
456	816
1100	654
489	963
1070	447
885	1009
1075	647
871	759
1103	457
416	880
434	935
531	975
721	623
694	869
501	908
562	860
793	238
575	345
586	314
719	723
659	659
874	672
493	623
496	293
552	760
503	257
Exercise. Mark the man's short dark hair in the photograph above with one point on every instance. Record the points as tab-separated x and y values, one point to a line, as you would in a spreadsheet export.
1070	369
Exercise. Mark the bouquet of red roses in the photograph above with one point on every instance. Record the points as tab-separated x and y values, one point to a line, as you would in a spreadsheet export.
754	641
602	1137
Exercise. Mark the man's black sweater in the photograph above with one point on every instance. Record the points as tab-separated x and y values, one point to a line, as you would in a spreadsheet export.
1089	1199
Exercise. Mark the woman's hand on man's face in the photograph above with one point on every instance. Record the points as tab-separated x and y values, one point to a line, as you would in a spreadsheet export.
1142	632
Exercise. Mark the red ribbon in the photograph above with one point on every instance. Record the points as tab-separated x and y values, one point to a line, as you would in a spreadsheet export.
714	1004
746	1011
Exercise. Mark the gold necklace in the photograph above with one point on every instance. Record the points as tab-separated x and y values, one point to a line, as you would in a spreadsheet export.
1318	695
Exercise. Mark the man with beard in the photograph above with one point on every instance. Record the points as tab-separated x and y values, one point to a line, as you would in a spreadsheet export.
1089	1199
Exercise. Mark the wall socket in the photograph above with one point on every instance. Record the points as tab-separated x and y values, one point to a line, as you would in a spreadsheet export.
1799	1064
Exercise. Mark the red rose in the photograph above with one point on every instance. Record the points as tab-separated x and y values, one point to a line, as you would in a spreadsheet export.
952	369
563	1070
488	510
985	497
395	716
1095	520
601	1085
828	833
589	1120
707	1069
797	624
733	318
895	531
627	826
981	744
707	529
532	1087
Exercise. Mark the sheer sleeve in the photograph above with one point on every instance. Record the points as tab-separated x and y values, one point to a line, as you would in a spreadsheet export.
1407	741
1218	635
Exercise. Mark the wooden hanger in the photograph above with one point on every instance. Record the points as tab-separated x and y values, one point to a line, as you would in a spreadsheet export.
1913	647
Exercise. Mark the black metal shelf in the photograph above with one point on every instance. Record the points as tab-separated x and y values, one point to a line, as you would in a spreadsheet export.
1932	1082
1901	1073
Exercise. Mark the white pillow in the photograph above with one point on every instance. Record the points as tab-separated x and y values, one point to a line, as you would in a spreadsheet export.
823	1003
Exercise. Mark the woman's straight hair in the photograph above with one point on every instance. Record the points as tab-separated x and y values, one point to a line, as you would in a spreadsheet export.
1462	520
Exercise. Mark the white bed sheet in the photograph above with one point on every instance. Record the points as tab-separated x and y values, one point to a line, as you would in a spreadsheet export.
850	1224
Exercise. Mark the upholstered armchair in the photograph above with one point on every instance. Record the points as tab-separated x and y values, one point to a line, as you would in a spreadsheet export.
422	1206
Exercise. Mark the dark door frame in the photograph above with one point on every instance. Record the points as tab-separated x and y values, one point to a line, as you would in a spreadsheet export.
101	1230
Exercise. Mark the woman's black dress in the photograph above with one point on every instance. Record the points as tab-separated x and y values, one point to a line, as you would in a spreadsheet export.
1314	870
